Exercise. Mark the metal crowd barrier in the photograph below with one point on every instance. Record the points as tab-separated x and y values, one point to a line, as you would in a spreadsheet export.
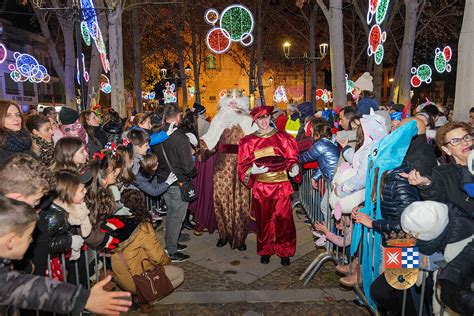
311	201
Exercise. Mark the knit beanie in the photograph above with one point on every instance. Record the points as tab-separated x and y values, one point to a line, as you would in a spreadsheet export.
199	108
68	115
425	220
364	83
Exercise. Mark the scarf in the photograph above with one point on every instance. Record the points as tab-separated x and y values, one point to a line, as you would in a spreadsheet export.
17	142
43	149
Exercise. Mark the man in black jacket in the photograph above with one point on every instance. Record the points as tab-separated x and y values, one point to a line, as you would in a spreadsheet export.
179	155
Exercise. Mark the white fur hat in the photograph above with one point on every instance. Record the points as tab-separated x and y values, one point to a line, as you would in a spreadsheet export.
425	220
364	83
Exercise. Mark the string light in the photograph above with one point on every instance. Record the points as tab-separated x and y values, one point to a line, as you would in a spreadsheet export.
442	59
3	53
168	94
420	75
280	94
26	67
236	25
105	84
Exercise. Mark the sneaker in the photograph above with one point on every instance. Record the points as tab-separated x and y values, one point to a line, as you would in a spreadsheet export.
156	217
321	241
179	257
182	247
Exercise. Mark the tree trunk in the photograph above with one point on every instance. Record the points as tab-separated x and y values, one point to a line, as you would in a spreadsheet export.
312	52
182	78
137	61
378	74
406	51
67	28
260	53
252	88
465	67
196	68
116	60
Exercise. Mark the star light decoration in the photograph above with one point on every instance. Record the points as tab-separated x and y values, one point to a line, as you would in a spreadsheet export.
27	68
420	75
148	95
280	94
169	95
3	53
324	95
105	84
442	59
235	25
377	8
90	29
84	71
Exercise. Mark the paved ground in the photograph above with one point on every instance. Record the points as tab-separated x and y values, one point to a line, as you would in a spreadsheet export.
221	281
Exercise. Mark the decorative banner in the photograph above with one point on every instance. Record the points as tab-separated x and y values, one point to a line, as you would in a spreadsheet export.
420	75
168	94
105	84
3	53
401	267
26	67
280	95
148	95
324	95
236	25
442	59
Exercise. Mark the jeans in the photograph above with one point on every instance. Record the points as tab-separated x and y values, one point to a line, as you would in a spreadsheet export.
175	216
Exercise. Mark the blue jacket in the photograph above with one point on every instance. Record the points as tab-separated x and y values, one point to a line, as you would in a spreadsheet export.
155	138
145	184
326	153
364	105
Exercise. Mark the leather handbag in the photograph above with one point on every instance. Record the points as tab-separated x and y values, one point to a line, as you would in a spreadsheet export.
188	192
151	285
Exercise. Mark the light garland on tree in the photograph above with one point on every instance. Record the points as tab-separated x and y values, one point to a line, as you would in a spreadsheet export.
420	75
3	53
27	68
236	25
442	59
105	84
379	9
169	95
324	95
280	94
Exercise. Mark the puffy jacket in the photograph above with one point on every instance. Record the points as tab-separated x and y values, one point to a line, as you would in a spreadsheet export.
397	194
155	138
326	153
364	105
28	291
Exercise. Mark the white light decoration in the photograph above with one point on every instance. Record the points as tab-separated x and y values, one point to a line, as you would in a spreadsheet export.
168	94
105	84
3	53
324	95
420	75
236	25
84	71
27	68
148	95
379	9
442	59
280	95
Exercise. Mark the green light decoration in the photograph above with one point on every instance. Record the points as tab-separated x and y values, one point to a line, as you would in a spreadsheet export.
442	58
238	21
85	33
420	75
379	55
349	85
382	8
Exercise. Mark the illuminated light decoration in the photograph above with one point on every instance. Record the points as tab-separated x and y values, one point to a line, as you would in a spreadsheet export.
372	9
191	91
84	71
323	95
442	59
379	55
86	36
27	68
349	86
421	74
280	94
382	8
222	93
90	19
148	95
3	53
169	95
211	16
236	25
105	84
217	40
376	38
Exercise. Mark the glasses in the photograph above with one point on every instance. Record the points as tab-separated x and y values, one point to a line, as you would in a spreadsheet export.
457	141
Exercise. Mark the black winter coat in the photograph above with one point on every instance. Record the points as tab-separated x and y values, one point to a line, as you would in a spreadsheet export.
397	194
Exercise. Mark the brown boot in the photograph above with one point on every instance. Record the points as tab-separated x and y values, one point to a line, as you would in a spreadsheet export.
350	280
344	269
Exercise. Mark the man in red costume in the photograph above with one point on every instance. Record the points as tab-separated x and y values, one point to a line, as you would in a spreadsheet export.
265	160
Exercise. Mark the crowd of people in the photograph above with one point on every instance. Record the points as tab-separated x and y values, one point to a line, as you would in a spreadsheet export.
75	182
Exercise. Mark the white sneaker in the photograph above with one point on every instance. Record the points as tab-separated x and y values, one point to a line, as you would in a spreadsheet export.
321	241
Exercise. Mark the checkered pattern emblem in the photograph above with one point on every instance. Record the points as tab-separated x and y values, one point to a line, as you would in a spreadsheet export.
410	258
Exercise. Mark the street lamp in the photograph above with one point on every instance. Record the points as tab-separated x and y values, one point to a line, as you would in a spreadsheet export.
187	70
163	72
305	59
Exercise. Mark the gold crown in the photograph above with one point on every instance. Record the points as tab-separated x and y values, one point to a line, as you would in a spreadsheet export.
235	93
400	239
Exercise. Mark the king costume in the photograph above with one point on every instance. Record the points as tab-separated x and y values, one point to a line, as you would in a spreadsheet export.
271	155
231	197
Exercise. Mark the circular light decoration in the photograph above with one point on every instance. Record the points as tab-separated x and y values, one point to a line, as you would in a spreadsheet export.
85	33
168	94
3	53
217	40
420	75
349	85
211	16
280	95
376	38
26	67
372	9
442	59
379	55
382	8
236	25
105	84
324	95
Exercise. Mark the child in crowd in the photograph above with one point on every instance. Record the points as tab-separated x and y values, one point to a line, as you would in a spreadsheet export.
42	135
70	153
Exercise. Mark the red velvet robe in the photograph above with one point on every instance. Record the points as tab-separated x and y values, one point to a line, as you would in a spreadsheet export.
271	205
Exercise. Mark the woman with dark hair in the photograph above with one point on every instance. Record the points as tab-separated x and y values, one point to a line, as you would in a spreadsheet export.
70	153
42	135
14	137
97	139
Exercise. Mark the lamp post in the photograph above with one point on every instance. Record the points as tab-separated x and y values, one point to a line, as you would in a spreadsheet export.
305	59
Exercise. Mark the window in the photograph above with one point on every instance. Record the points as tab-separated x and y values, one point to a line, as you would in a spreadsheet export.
28	89
11	87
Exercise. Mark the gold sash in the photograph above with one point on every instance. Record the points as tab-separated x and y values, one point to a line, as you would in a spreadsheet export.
272	177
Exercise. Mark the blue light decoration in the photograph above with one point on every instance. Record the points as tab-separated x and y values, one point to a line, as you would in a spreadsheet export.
280	94
27	68
105	84
84	71
3	53
93	30
148	95
169	95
